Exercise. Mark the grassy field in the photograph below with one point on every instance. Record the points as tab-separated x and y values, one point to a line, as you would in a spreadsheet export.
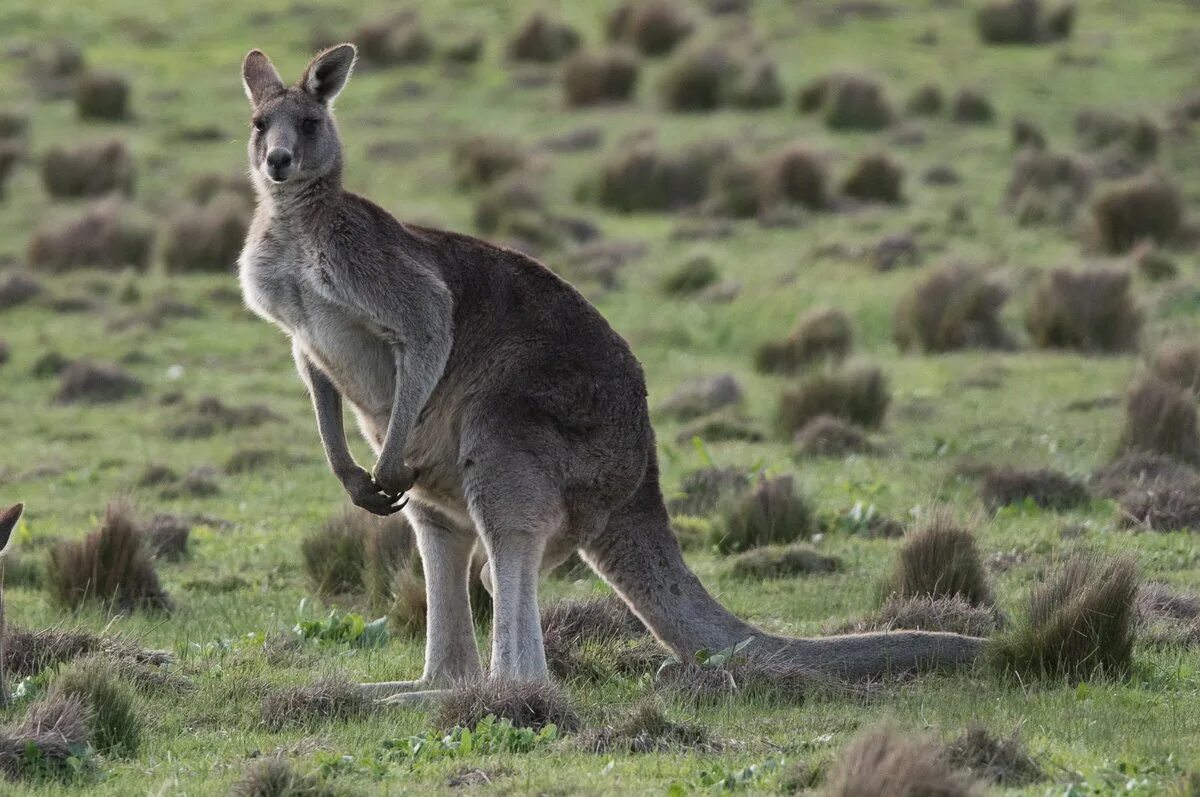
243	579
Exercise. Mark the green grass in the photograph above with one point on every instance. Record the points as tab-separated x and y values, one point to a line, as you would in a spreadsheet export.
243	578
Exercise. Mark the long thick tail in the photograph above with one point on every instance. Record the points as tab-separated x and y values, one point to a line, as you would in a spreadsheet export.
640	558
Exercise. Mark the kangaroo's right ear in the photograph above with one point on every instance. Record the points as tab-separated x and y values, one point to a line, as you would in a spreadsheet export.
259	77
327	73
8	522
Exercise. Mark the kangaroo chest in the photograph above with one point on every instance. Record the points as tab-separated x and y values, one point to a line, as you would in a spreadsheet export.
281	283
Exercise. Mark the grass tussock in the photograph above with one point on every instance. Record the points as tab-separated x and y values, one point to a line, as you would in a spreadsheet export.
1147	208
52	732
702	491
110	565
209	416
597	78
1178	361
971	107
859	394
1160	418
275	776
702	396
102	95
482	160
795	174
1174	506
885	760
698	79
1079	623
167	537
785	561
17	288
208	237
1046	187
822	334
356	552
107	235
639	176
87	382
27	653
772	513
88	170
952	307
327	700
653	27
397	39
941	560
1138	470
523	703
998	760
827	436
1091	310
542	38
115	726
875	177
848	102
691	277
926	100
954	615
647	729
1046	488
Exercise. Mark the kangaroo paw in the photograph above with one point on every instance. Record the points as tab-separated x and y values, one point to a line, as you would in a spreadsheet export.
381	690
412	698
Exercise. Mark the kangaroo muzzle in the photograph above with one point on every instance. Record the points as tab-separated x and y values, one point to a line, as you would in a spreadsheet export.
279	164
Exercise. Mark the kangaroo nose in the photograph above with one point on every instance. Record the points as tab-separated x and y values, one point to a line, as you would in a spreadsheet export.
279	158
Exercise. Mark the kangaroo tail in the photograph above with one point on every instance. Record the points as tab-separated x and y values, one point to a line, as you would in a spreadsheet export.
638	555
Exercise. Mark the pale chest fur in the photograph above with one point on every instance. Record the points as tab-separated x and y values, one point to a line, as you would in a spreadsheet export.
281	282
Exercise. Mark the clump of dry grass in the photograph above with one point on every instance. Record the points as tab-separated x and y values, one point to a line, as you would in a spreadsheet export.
885	760
1046	188
595	78
692	276
397	39
847	102
27	653
970	106
275	776
756	86
1167	619
115	725
329	699
875	177
11	153
954	615
952	307
822	334
1160	418
209	416
1092	310
940	559
52	731
541	38
702	396
357	552
89	169
1153	263
482	160
207	237
1026	134
86	382
859	394
1178	361
1049	489
826	436
999	760
167	537
523	703
699	79
106	235
783	561
1174	506
795	174
17	288
102	95
653	27
110	565
1140	209
648	730
771	513
639	176
1079	623
1138	470
735	190
702	491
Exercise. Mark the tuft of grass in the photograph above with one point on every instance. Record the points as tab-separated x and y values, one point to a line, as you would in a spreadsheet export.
1139	470
771	513
525	704
110	565
859	394
639	176
396	39
90	169
1173	506
795	174
953	615
998	760
698	78
939	559
972	107
653	27
53	731
329	699
1160	418
849	102
27	653
1178	361
701	492
784	561
115	726
821	334
482	160
1079	623
1092	310
356	552
693	275
208	237
826	436
595	78
951	307
875	177
1140	209
107	235
886	760
1046	188
102	95
275	776
542	38
647	729
1046	488
86	382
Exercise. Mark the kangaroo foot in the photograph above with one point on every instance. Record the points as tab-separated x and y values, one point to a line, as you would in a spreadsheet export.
412	698
381	690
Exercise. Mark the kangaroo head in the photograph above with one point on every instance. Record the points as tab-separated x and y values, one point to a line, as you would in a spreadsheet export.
8	522
293	138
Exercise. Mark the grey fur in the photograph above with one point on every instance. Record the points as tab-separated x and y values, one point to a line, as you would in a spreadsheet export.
495	396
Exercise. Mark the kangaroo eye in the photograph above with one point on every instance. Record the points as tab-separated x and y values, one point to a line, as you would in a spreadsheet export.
310	126
259	125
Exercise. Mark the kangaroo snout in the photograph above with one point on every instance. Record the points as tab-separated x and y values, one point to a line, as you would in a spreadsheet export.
279	164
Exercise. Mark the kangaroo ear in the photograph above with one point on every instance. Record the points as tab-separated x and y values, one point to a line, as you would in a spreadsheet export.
259	77
327	73
8	522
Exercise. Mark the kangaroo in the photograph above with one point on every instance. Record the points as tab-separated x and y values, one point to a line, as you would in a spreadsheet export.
8	522
500	406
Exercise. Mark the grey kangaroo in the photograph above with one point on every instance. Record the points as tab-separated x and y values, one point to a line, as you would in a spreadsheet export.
501	406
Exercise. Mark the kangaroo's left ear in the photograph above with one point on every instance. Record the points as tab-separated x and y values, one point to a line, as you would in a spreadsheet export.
327	73
8	522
